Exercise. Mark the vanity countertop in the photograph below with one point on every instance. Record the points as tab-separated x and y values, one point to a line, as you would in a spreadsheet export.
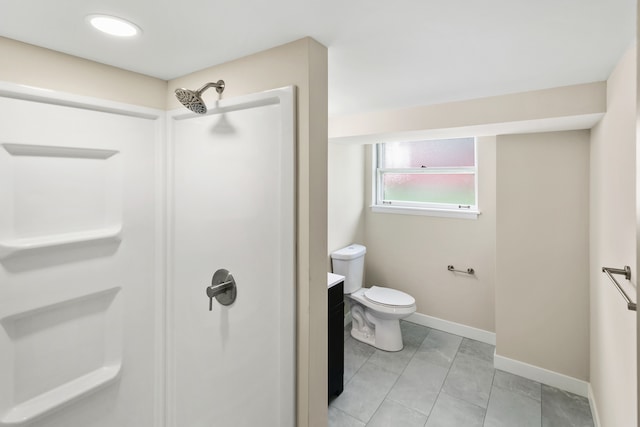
334	279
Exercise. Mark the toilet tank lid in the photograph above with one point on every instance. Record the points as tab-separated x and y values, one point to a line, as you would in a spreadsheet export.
350	252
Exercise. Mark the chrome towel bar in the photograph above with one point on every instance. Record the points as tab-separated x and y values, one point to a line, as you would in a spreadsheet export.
467	271
626	272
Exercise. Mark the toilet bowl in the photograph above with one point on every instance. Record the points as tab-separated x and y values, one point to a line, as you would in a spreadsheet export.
375	311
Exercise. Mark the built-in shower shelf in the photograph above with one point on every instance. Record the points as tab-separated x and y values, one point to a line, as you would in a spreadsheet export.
60	396
13	247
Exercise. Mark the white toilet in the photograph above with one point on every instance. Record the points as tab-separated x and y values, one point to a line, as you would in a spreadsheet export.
375	311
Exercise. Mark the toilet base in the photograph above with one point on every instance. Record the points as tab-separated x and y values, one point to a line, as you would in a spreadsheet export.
384	334
379	344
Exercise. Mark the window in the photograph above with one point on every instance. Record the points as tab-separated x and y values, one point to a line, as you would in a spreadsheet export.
435	177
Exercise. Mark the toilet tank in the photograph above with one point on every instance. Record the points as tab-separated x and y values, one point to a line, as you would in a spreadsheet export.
349	262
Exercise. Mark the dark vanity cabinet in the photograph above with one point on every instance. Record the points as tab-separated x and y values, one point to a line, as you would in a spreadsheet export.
336	338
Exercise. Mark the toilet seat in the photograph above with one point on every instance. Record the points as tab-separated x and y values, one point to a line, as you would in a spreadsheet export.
388	297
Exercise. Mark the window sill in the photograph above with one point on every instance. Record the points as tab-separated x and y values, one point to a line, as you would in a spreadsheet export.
443	213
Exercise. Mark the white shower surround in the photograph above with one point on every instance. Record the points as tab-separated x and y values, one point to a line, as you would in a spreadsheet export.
72	395
255	158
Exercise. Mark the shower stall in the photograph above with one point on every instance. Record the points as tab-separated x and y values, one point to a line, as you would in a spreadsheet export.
147	262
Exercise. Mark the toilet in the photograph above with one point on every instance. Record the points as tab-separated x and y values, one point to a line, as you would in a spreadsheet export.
375	311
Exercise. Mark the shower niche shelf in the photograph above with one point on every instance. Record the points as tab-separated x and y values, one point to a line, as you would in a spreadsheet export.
58	196
59	353
14	247
48	402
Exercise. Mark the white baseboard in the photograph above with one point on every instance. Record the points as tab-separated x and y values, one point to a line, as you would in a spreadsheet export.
453	328
541	375
594	408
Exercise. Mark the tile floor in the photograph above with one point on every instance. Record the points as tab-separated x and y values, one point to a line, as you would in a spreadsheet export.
443	380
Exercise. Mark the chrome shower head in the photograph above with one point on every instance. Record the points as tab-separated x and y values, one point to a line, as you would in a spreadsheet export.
193	99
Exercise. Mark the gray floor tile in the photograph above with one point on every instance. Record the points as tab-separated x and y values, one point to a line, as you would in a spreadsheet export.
439	348
451	412
356	353
337	418
394	361
517	384
470	379
392	414
418	386
507	409
561	408
477	349
365	392
413	334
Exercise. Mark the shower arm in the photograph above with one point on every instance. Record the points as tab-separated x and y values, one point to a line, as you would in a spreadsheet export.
219	85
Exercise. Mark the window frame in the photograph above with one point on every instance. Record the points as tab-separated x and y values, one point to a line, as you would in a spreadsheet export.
379	205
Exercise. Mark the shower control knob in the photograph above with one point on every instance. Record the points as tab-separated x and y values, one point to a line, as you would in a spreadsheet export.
223	288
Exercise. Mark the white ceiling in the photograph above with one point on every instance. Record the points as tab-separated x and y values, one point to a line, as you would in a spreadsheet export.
382	54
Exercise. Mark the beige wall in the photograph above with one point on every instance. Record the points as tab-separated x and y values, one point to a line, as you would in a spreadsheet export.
302	63
613	244
411	253
535	109
43	68
542	244
346	195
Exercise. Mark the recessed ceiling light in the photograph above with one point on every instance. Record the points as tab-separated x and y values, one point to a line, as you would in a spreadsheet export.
114	26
